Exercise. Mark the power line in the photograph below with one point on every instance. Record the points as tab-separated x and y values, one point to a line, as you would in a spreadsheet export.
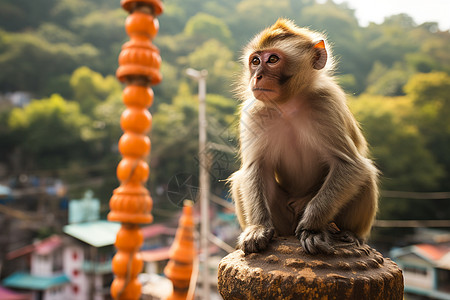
412	223
218	200
415	195
19	214
50	172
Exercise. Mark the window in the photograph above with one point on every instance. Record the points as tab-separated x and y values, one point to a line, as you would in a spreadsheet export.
75	289
75	273
415	270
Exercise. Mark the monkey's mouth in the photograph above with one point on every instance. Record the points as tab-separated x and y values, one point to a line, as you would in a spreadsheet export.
263	94
262	90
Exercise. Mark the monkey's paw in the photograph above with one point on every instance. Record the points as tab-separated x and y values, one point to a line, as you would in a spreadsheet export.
255	238
315	241
350	238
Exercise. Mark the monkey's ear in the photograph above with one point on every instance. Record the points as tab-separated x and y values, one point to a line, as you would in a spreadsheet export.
321	55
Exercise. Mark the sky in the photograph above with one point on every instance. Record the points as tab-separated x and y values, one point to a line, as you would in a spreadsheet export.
420	10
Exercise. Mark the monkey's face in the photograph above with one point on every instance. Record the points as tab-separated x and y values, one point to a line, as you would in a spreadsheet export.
267	78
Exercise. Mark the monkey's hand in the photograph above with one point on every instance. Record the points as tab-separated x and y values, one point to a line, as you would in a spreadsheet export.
255	238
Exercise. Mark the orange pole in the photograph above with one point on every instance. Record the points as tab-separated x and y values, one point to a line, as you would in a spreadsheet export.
131	204
182	254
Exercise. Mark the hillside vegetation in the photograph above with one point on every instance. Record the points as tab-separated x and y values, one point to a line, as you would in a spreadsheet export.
64	52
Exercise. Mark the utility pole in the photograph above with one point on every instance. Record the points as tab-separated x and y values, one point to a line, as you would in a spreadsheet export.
200	76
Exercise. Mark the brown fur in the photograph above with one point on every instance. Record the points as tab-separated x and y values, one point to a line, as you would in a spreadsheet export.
304	158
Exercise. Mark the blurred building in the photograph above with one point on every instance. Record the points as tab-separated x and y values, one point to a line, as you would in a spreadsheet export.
45	278
78	264
84	210
426	270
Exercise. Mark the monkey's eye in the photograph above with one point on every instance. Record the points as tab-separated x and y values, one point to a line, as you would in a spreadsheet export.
255	61
273	59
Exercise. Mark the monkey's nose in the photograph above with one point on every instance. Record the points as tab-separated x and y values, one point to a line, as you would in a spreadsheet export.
258	77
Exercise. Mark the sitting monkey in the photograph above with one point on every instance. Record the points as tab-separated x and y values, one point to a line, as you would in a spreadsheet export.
304	161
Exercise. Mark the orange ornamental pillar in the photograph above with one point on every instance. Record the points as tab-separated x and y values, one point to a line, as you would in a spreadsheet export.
182	253
131	204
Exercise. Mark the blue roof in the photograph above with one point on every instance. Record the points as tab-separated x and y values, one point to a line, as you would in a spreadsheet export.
27	281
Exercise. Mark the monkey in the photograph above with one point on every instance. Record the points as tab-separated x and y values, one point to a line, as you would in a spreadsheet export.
305	164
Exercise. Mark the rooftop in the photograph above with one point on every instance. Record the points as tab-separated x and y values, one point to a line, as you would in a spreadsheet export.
436	254
43	247
6	294
22	280
158	254
433	252
97	233
103	233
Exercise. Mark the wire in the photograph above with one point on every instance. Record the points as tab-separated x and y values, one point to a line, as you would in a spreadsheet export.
415	195
412	223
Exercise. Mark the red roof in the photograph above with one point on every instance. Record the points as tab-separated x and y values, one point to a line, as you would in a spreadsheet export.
157	229
20	252
433	252
6	294
155	254
42	247
160	254
48	245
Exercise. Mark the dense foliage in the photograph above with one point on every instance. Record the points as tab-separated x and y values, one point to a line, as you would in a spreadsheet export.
64	52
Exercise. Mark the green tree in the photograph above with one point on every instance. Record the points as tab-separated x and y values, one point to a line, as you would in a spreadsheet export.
401	154
338	21
388	82
397	145
387	42
106	123
105	31
251	16
175	134
20	14
167	89
91	88
53	33
345	37
203	27
29	63
172	20
218	60
65	11
52	132
431	95
436	46
8	139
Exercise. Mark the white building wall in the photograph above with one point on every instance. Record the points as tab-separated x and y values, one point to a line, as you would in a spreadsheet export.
41	265
98	287
55	293
419	280
78	288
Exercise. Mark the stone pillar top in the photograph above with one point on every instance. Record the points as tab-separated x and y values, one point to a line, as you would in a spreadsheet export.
286	271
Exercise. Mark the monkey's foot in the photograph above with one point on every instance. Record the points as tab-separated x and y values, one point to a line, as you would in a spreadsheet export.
327	240
348	237
343	237
255	238
315	241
